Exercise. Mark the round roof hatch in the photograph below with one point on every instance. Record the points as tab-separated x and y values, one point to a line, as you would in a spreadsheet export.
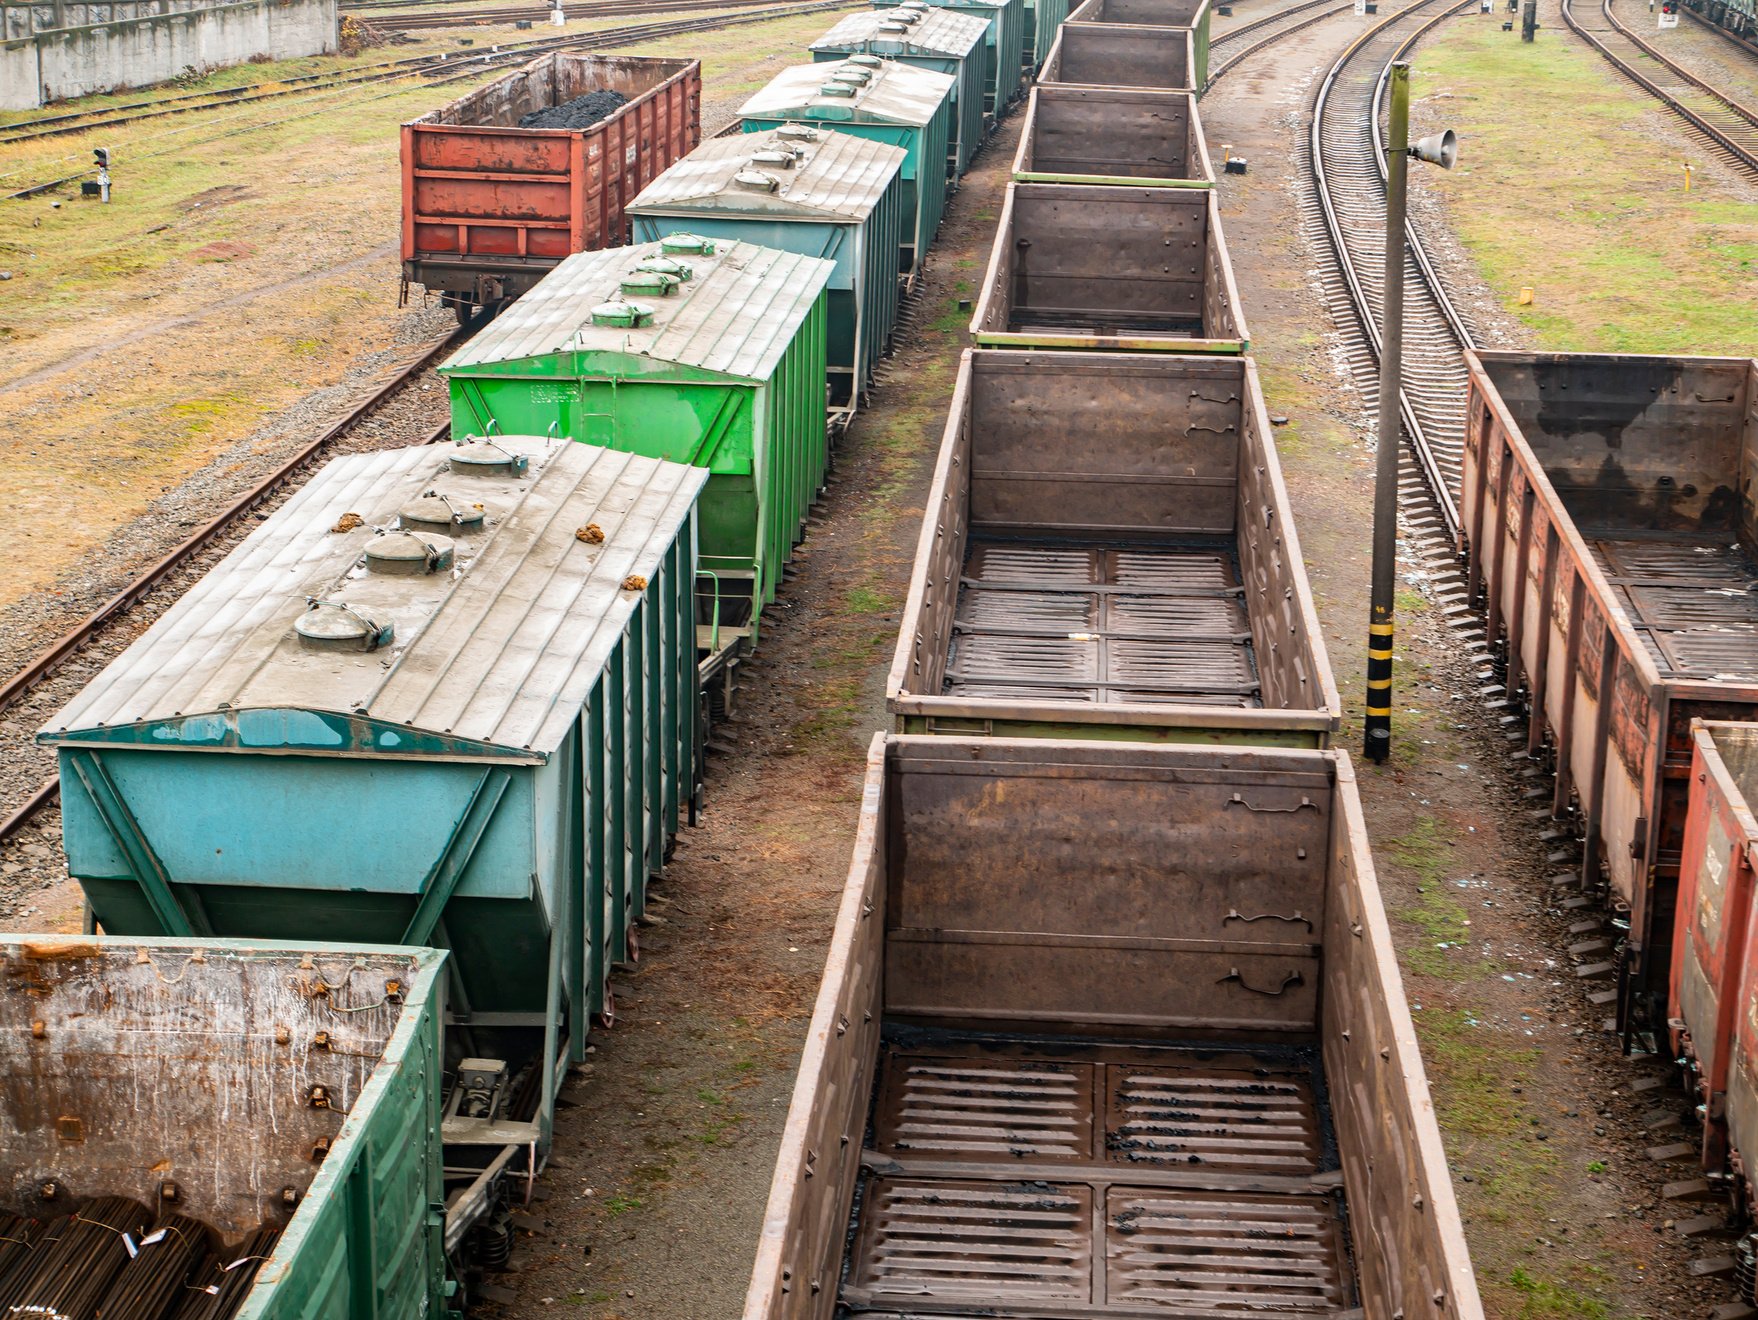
410	553
757	181
837	89
866	61
652	283
434	512
895	27
666	266
781	160
619	312
694	243
858	76
797	133
479	456
334	625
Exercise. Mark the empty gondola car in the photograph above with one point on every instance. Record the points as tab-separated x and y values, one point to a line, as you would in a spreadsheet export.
1110	267
1110	1030
807	190
655	349
934	39
1191	14
1607	510
1118	55
869	97
443	696
1109	552
1123	136
262	1121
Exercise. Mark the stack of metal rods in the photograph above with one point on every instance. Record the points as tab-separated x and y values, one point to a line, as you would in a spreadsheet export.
219	1288
18	1239
154	1281
76	1261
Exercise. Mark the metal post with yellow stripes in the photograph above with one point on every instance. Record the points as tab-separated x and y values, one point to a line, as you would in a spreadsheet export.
1377	727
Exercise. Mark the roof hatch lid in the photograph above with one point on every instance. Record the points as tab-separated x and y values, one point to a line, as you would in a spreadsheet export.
650	283
663	265
620	311
409	553
437	512
335	625
691	244
479	456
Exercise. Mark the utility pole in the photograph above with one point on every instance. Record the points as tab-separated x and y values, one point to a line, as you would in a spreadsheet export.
1378	741
1441	149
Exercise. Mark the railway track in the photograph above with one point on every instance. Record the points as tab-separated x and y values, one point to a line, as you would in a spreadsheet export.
438	70
42	668
411	21
1727	126
1240	43
1347	162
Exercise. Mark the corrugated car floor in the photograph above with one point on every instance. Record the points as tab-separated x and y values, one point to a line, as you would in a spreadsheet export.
1020	1179
1067	622
1689	597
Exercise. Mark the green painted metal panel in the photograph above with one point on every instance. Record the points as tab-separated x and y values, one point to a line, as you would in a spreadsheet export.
1004	47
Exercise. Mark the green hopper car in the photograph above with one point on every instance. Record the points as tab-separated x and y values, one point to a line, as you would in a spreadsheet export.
696	350
805	190
885	101
936	39
1004	46
445	696
284	1097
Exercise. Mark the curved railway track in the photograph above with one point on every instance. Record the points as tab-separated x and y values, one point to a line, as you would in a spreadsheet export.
438	70
1727	126
1266	31
1348	167
42	667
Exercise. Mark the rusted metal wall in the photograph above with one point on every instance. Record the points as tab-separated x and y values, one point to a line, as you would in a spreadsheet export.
1602	506
489	207
1120	449
1121	55
1119	892
1113	135
1138	269
1714	975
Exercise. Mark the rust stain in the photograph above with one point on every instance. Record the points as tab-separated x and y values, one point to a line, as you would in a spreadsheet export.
59	951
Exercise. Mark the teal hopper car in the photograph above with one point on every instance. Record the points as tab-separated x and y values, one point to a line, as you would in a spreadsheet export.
1004	45
806	190
868	97
935	39
285	1098
696	350
447	696
1042	18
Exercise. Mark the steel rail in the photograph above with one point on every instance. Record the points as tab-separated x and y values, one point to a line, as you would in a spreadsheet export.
1421	448
415	22
446	67
1744	155
1226	66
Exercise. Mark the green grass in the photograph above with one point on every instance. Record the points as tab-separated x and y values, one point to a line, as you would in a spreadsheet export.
1541	1299
1562	186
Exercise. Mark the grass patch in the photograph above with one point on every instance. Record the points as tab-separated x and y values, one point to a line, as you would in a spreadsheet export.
1621	257
1542	1299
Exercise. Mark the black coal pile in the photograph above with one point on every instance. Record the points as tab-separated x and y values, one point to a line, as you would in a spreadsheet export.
581	112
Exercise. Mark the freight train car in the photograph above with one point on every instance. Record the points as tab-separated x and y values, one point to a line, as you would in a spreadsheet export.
1112	267
691	349
1110	1030
1191	14
1109	552
1608	513
806	190
489	207
1714	981
444	696
934	39
1003	45
865	96
1117	55
262	1120
1739	17
1122	136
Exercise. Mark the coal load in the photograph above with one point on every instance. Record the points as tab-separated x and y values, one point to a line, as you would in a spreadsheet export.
581	112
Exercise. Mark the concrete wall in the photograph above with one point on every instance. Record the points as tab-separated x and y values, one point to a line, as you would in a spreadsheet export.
136	43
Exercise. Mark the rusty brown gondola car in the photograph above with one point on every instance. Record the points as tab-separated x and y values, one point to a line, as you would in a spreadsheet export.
1109	1030
1608	514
